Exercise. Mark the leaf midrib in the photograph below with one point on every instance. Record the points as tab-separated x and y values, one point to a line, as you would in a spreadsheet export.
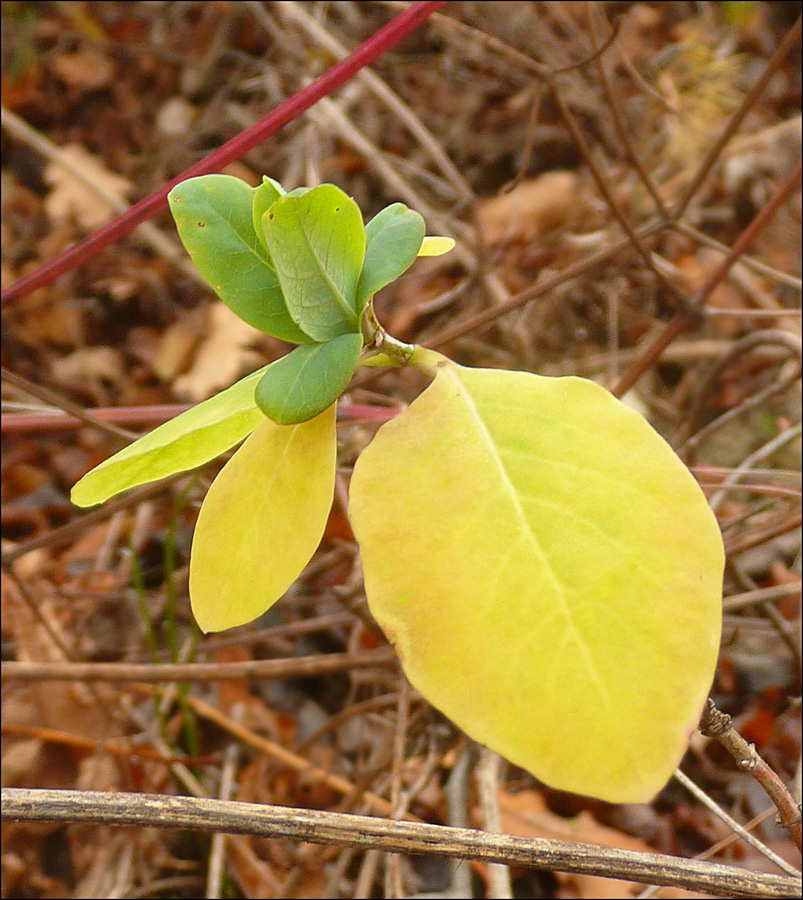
532	538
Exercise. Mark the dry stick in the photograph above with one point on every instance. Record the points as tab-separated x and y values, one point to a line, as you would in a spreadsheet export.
55	399
112	748
736	602
57	420
699	794
457	803
683	320
601	180
680	322
757	456
748	262
367	53
616	112
217	851
297	667
791	522
543	286
714	849
691	439
295	13
488	770
718	725
316	826
288	758
353	710
68	532
680	300
394	883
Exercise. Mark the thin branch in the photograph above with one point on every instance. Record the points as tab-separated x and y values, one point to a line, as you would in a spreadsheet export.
718	725
684	319
738	829
54	398
295	13
51	419
364	832
296	667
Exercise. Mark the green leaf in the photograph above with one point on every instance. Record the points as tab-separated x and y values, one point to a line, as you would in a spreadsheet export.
317	243
549	571
436	246
264	197
191	439
213	215
262	520
394	237
308	380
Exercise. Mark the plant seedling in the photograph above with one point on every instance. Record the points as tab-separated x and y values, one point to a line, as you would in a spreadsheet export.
547	568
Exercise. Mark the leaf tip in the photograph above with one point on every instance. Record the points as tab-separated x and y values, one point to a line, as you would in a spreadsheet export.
436	246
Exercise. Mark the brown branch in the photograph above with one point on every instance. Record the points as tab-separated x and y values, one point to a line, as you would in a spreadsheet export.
66	533
298	667
683	319
55	399
718	725
364	832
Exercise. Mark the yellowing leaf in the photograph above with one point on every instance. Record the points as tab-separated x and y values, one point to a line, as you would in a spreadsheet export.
549	572
262	520
191	439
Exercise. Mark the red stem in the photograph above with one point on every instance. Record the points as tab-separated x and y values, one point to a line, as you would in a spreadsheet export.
367	53
151	416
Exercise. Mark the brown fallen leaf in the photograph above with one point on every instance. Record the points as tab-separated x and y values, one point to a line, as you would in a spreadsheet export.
84	70
70	198
531	210
222	357
527	814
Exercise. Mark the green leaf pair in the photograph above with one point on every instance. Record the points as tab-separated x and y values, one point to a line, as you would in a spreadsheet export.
300	266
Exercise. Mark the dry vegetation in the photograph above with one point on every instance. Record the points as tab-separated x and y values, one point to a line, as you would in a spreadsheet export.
593	209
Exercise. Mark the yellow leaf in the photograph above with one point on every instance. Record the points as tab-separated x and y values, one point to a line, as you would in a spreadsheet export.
549	572
262	520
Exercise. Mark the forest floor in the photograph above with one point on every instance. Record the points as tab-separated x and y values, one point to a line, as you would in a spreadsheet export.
534	184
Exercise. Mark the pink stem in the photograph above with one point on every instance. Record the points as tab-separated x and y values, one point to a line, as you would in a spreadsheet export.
25	423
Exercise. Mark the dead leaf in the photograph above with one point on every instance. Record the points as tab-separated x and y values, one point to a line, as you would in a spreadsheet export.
175	117
43	317
531	210
71	198
221	358
526	814
88	365
84	70
172	352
